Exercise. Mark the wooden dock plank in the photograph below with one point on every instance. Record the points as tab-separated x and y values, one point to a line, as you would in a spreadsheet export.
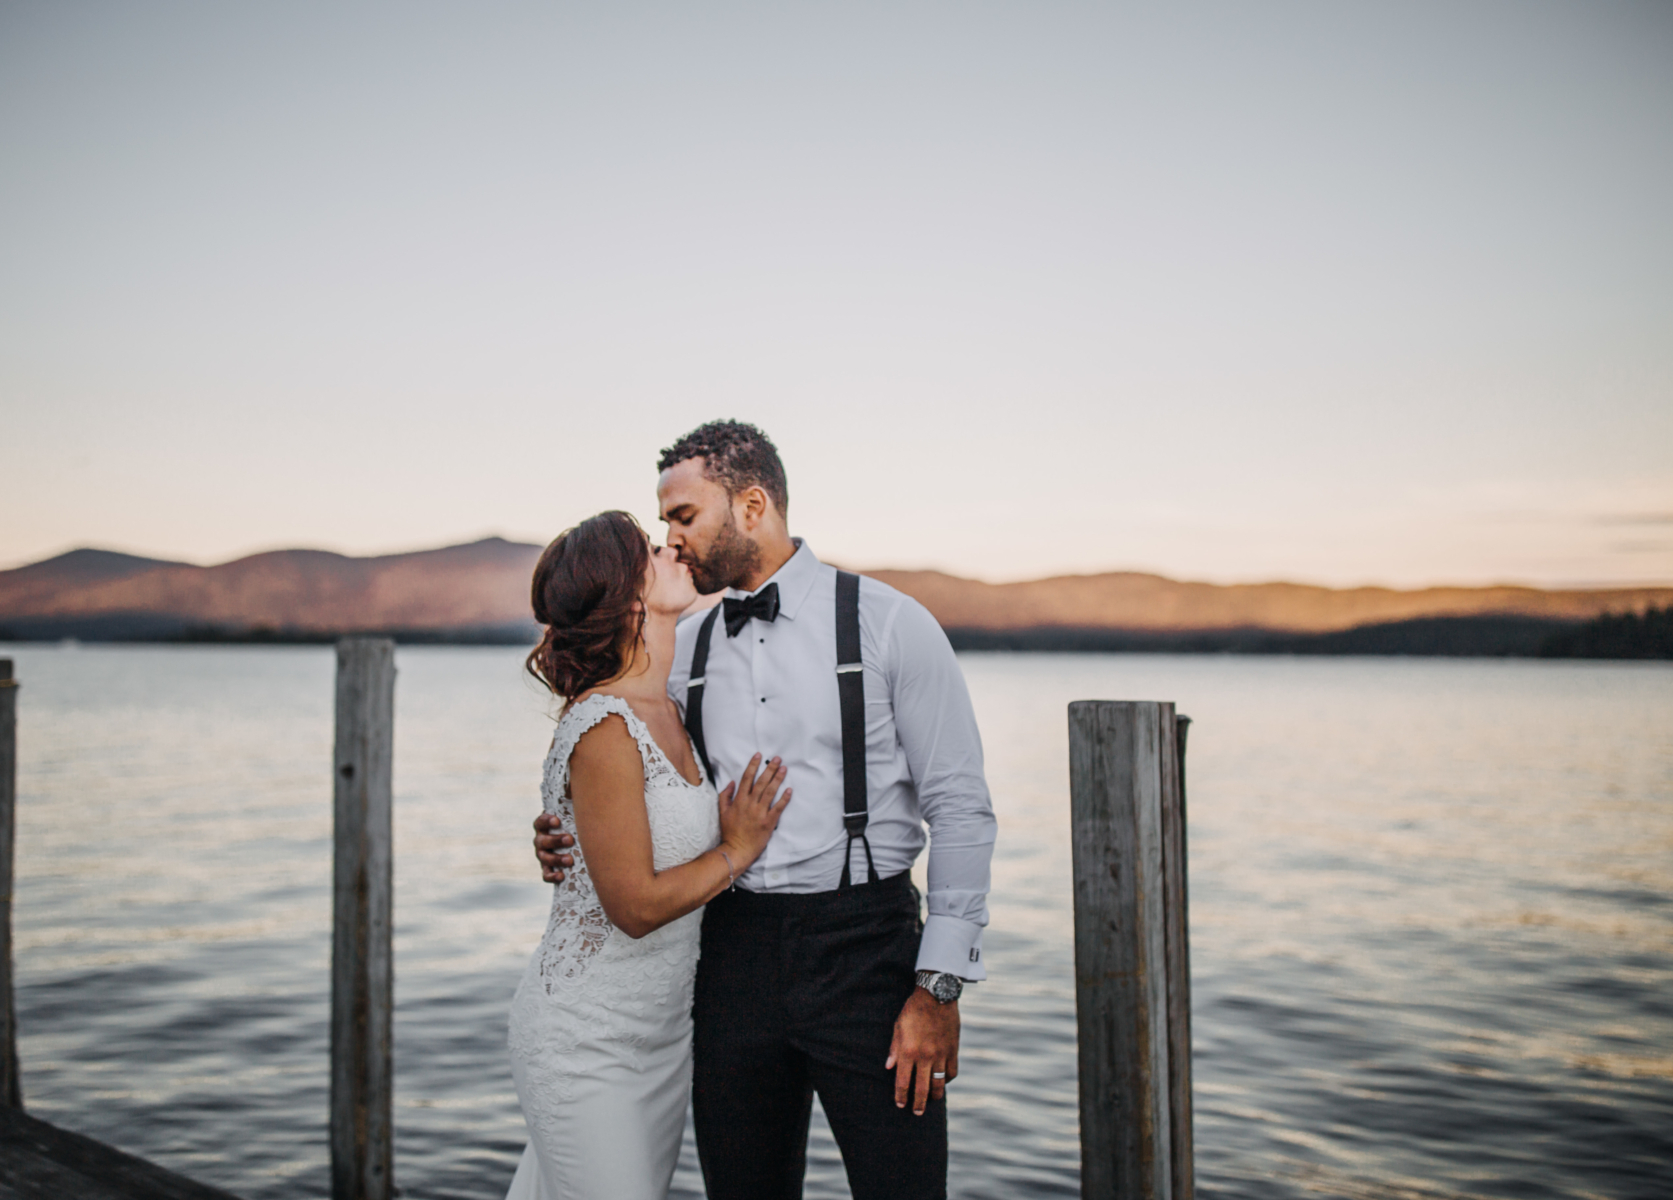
42	1162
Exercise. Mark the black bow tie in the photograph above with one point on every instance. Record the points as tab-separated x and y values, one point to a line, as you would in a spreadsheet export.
763	605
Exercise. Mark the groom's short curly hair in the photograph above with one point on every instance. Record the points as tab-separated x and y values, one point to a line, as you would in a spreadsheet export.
736	456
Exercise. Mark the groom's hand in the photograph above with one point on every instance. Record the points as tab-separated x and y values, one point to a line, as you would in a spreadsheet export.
925	1045
550	842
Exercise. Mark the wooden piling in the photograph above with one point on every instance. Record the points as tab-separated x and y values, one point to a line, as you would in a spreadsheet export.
11	1082
1132	992
1177	914
362	960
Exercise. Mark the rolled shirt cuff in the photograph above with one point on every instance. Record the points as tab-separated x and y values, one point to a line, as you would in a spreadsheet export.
953	946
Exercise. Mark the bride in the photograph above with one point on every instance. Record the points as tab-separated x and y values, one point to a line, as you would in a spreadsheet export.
600	1030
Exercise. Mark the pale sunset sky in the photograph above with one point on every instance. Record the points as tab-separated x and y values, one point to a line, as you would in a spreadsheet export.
1340	293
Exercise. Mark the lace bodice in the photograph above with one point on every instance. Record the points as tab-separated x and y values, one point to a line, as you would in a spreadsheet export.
685	822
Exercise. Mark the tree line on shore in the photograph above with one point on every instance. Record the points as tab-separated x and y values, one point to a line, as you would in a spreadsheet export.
1613	636
1648	634
1626	635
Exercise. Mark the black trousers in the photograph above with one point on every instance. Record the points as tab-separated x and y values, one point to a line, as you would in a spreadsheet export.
798	994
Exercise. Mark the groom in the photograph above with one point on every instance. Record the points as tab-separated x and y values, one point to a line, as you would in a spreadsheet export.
816	973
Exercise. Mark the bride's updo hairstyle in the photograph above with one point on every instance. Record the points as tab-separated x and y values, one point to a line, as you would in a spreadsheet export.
585	586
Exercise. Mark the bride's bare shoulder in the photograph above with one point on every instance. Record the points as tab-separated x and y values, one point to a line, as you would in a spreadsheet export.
607	747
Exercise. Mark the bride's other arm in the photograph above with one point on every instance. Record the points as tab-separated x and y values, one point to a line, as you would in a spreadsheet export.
607	786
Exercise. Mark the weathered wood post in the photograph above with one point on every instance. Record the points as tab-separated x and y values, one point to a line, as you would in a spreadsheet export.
362	961
11	1082
1177	913
1132	995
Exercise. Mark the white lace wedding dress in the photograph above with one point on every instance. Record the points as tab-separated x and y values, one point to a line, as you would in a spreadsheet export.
600	1031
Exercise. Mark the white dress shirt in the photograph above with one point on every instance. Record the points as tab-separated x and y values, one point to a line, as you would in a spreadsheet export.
773	690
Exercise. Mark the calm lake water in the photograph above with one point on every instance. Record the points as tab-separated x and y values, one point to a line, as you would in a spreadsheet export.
1431	901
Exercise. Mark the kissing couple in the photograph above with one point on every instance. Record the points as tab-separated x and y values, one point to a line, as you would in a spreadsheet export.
732	806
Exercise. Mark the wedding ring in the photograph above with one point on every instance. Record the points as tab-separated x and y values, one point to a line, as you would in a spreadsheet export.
938	1074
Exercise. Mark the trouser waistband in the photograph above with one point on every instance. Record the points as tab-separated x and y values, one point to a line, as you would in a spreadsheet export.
852	900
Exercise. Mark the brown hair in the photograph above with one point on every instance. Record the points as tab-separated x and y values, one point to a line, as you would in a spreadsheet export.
585	586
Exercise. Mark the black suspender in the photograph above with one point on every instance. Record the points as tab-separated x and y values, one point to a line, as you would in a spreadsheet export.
851	692
694	691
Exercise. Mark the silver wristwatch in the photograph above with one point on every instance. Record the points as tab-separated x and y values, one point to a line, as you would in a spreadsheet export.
944	987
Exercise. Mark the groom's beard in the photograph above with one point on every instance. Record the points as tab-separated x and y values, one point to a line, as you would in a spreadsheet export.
732	557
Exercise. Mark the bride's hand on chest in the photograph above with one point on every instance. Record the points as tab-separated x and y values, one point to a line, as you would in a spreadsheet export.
750	809
613	826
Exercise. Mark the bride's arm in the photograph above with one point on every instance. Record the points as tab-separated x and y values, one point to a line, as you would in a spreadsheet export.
607	786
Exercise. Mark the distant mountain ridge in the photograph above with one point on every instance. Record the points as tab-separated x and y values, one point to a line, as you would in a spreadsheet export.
485	584
1134	601
41	583
481	583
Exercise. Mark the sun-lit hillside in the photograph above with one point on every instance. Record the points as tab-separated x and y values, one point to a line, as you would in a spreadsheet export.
486	583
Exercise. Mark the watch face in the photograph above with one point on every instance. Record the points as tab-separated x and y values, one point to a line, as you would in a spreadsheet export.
947	988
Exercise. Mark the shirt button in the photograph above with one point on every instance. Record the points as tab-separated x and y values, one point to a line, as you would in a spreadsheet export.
763	699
